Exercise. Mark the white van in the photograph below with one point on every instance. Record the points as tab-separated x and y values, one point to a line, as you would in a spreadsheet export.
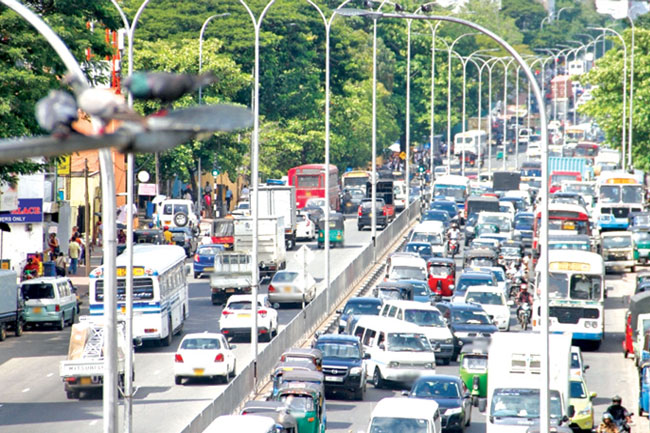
242	423
429	319
406	266
177	213
399	351
493	301
394	414
49	300
399	190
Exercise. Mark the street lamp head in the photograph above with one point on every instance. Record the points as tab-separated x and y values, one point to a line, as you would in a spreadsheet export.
427	7
367	4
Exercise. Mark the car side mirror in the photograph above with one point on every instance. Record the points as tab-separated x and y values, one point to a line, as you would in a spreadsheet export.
585	368
367	355
593	395
571	413
381	346
339	311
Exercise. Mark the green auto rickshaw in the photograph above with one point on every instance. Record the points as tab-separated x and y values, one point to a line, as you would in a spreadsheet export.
306	404
337	230
473	370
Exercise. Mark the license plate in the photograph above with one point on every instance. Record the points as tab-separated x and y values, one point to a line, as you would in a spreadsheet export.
288	289
199	371
333	379
37	310
370	214
86	381
243	315
230	290
210	269
123	309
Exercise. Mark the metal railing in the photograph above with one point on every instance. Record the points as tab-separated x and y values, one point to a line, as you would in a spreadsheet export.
302	325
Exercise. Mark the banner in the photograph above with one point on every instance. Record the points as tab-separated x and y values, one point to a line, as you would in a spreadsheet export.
30	210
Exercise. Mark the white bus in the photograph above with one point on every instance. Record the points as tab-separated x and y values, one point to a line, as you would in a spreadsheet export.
453	186
160	291
470	142
576	295
619	193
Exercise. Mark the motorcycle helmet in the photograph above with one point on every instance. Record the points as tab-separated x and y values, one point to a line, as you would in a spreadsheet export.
608	416
523	287
617	399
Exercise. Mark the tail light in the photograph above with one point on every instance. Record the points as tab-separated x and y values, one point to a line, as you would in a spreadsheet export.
219	358
271	288
196	257
308	222
262	313
178	358
360	212
57	308
226	312
384	211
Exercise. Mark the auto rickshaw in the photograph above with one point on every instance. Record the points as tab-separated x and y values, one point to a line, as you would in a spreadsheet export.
299	353
396	290
441	273
644	389
337	230
481	257
637	312
283	367
306	404
642	277
474	370
273	409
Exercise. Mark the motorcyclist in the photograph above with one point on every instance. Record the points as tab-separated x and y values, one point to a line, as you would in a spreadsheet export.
524	297
607	425
619	414
453	235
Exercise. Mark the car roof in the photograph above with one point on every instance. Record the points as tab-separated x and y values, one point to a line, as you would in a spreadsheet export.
363	299
241	298
445	377
396	407
462	306
410	304
338	337
485	289
241	423
203	335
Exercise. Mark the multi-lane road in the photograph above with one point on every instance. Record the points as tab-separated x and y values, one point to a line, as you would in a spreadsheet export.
33	399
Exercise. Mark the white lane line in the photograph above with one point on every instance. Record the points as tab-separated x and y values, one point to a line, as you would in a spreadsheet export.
93	422
50	374
156	372
26	390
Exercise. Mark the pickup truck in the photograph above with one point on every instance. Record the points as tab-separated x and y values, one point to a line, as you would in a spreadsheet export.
343	364
381	209
231	276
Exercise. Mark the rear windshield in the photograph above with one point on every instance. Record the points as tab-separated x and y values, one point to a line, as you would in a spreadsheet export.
201	343
38	291
208	251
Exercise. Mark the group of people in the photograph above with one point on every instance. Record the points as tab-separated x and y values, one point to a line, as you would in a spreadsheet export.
616	418
63	265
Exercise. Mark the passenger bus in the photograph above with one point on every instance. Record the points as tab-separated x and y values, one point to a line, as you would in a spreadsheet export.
309	181
160	291
586	149
619	193
576	296
355	179
452	186
469	142
563	219
577	133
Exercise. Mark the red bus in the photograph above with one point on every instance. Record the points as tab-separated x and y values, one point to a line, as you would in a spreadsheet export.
309	180
567	219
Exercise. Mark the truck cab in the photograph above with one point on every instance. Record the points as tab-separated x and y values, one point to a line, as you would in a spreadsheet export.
343	364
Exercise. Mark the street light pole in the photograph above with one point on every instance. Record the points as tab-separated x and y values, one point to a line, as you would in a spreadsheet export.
205	24
631	113
434	29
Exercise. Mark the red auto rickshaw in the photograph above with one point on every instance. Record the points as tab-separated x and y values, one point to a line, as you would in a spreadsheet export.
441	272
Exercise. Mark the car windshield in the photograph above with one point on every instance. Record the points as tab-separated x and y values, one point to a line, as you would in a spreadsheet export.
389	293
511	251
431	238
433	215
37	291
577	390
485	298
424	318
407	273
524	223
580	188
339	350
407	342
440	271
422	249
502	222
499	274
641	237
208	251
398	425
522	403
201	343
435	389
474	363
470	317
359	308
284	277
450	208
464	283
617	241
298	403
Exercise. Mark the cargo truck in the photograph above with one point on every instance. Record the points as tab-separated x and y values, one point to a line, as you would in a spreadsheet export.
11	305
514	363
232	275
280	200
271	251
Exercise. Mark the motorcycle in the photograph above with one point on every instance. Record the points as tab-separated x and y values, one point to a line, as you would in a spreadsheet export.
453	247
622	425
523	316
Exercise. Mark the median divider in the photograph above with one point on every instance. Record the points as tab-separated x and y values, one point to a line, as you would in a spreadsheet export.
243	387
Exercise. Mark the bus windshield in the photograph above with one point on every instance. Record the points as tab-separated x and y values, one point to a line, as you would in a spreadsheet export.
580	188
632	194
578	287
609	194
455	191
522	403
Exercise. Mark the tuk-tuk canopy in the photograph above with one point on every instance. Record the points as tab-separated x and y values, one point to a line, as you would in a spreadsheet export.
639	304
294	364
481	252
272	409
303	376
337	221
301	388
441	261
475	349
299	353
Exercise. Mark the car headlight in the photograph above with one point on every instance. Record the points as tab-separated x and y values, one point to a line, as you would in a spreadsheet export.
586	411
393	364
355	371
430	365
454	411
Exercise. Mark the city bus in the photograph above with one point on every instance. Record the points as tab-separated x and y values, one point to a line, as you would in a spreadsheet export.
452	186
563	219
619	193
355	179
309	181
576	296
160	291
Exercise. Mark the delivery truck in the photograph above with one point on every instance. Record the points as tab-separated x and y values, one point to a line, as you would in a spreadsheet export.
11	305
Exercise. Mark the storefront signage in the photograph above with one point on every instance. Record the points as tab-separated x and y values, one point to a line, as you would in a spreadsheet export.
30	210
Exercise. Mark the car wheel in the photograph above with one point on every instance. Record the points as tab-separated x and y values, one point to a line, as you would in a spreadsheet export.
196	275
359	227
377	380
233	373
178	380
72	316
359	393
19	328
61	324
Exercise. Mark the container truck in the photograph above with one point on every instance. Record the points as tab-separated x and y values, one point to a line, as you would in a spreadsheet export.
280	200
271	252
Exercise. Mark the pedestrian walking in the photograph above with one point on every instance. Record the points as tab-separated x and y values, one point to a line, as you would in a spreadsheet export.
53	246
228	198
74	250
60	264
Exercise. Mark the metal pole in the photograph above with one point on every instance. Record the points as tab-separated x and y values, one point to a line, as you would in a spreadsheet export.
480	125
373	186
505	114
464	62
199	202
433	86
517	116
631	113
205	24
408	112
490	117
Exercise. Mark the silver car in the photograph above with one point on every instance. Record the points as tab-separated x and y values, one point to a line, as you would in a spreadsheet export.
292	286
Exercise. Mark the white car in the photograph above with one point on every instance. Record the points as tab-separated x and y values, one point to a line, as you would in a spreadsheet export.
534	150
242	209
492	300
292	286
204	355
305	228
236	317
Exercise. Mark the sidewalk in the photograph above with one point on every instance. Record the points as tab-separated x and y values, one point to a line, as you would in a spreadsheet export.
80	280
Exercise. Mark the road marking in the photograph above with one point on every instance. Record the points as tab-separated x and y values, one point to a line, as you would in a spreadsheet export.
26	390
93	422
50	374
156	372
